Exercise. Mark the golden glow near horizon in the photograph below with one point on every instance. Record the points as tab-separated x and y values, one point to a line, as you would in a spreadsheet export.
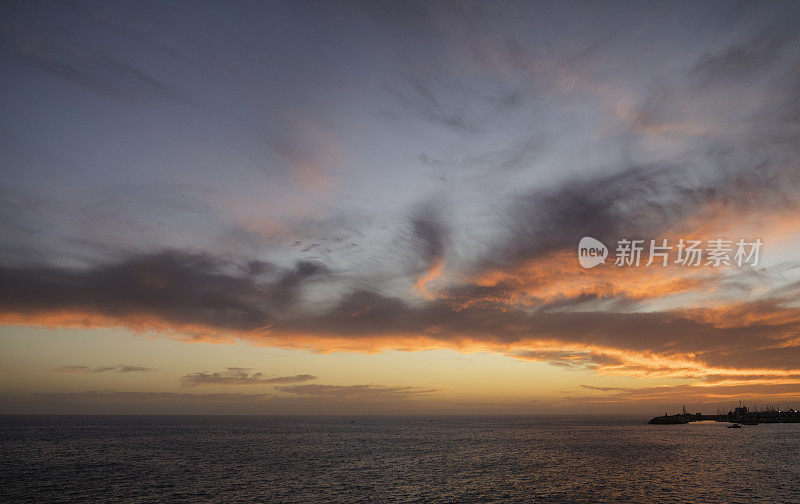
464	381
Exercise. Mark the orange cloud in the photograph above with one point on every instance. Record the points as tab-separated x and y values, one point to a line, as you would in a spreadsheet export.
433	273
141	323
558	276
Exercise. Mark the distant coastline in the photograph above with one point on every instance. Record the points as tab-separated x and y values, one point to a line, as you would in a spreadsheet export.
739	415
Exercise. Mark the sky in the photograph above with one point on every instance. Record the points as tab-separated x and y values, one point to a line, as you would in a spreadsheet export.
375	207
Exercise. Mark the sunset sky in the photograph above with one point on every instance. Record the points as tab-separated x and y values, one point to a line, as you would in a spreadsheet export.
375	207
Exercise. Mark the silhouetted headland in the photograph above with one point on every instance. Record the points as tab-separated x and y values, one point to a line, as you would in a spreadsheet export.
740	415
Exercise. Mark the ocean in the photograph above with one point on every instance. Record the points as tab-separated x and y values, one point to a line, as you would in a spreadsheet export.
407	459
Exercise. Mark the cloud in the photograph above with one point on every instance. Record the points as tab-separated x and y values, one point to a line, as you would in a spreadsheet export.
428	43
515	155
36	39
563	358
239	376
177	290
356	392
429	235
429	241
579	133
291	399
420	99
689	343
134	403
162	290
780	393
602	389
122	369
368	399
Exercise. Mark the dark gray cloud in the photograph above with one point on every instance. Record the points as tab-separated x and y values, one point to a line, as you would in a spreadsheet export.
364	316
172	286
240	376
429	238
638	202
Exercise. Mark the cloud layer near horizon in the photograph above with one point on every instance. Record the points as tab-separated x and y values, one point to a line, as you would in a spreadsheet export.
240	376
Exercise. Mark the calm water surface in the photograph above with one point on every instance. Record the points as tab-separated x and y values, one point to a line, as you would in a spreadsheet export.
393	459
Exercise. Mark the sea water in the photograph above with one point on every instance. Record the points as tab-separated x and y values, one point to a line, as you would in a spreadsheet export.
407	459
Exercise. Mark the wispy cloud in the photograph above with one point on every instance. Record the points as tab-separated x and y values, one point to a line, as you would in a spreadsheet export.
780	392
240	376
36	39
122	368
297	399
357	392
